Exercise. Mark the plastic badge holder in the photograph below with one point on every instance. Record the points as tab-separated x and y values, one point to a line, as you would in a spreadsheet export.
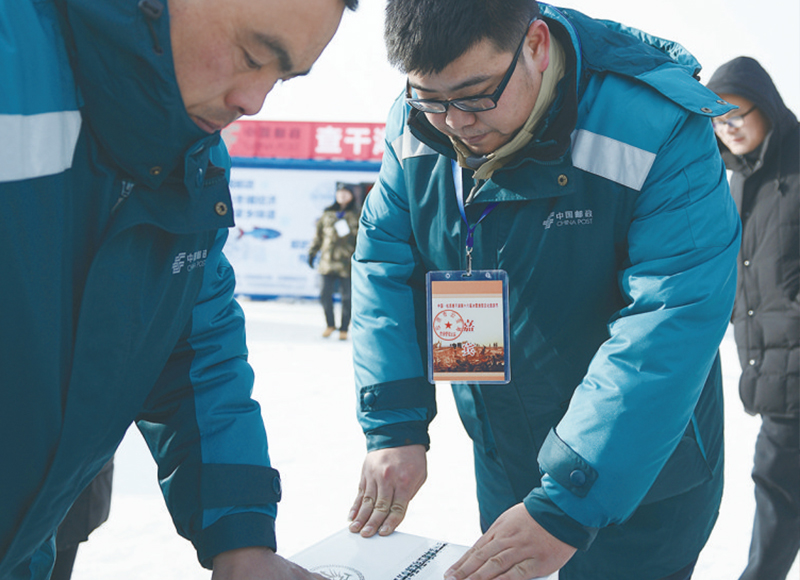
468	331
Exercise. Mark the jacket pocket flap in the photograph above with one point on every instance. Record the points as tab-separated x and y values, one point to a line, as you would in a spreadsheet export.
685	469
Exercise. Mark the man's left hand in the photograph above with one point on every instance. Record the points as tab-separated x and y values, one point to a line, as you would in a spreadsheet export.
515	547
258	564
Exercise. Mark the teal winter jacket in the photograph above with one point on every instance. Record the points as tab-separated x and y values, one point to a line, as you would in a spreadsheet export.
117	303
619	236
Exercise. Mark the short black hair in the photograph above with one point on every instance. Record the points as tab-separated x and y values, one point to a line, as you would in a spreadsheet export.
425	36
351	4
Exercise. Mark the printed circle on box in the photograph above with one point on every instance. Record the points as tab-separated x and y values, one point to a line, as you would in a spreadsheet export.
336	572
448	325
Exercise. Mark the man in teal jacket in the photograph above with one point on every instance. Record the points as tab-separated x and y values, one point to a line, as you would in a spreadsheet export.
117	303
590	176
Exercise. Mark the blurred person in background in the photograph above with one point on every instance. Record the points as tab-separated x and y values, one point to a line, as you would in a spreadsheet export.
760	144
335	242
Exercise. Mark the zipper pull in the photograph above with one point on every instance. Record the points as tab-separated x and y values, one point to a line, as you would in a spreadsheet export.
127	188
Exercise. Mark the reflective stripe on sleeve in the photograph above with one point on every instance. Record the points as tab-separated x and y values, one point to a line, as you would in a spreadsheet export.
620	162
407	146
37	145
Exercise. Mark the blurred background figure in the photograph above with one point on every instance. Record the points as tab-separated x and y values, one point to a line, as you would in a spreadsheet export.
335	242
760	143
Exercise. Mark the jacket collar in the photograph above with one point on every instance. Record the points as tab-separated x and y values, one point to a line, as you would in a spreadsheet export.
122	57
751	162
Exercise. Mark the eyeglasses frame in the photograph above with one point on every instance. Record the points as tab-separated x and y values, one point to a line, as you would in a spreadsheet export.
494	97
719	123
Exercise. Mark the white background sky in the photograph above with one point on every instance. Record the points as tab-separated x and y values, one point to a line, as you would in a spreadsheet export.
353	83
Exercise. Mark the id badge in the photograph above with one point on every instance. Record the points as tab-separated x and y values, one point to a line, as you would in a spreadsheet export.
468	332
342	227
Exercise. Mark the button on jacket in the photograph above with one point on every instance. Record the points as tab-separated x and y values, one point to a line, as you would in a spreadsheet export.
117	303
619	236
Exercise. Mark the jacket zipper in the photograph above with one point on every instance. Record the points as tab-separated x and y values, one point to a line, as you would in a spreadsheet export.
125	193
127	187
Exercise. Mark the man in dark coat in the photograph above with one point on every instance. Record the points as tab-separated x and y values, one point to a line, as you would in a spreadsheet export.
760	143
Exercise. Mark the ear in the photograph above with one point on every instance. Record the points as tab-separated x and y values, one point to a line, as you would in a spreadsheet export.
538	45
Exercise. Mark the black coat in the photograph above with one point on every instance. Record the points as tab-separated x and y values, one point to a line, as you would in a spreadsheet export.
765	186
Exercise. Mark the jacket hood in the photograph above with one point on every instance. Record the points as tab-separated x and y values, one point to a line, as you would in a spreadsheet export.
745	77
122	57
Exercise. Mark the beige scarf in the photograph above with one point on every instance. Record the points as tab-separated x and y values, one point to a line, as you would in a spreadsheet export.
547	94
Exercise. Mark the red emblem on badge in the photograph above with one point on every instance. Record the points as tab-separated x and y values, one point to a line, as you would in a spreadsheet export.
448	325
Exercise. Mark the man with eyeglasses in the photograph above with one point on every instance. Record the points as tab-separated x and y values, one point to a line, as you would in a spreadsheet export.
760	144
571	164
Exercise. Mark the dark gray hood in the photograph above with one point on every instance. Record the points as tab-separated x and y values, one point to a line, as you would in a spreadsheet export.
745	77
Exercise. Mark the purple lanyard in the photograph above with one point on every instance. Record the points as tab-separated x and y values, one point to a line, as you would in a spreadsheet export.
459	183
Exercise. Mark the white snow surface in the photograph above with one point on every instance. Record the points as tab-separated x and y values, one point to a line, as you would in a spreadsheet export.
305	386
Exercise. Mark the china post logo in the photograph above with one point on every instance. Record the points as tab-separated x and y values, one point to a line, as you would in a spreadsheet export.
576	217
189	261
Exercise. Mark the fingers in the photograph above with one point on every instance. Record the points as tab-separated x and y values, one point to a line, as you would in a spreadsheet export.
358	501
389	480
396	514
494	561
363	510
381	509
515	547
390	509
473	559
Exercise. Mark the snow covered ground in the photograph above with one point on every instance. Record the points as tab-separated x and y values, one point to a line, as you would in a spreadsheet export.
304	384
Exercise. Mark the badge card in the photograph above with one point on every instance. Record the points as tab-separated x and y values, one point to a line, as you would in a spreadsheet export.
468	330
342	228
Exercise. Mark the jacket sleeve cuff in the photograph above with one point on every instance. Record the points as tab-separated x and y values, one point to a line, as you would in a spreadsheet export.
556	522
242	530
397	413
398	435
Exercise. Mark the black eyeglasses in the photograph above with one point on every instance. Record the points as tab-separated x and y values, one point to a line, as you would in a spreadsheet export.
736	122
474	104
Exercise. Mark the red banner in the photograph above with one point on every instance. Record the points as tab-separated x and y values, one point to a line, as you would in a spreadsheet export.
305	140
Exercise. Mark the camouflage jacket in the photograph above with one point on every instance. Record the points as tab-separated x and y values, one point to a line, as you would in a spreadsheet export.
335	247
